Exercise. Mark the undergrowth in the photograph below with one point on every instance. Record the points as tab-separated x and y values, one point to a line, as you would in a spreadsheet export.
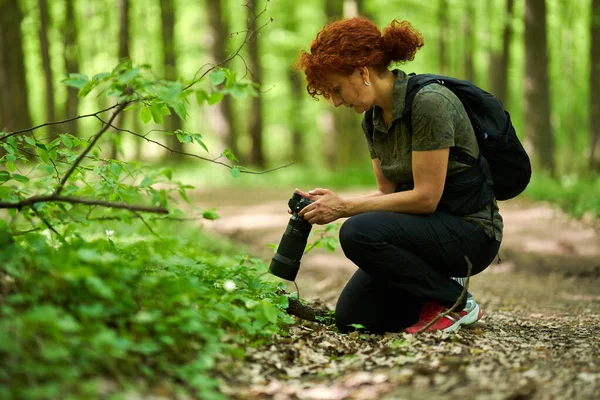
99	316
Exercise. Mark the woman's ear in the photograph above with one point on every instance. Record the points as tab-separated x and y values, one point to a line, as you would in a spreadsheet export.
364	73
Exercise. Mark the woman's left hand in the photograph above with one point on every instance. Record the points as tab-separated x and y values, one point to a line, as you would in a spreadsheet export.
327	208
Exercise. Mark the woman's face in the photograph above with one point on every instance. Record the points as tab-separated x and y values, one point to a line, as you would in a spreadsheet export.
351	91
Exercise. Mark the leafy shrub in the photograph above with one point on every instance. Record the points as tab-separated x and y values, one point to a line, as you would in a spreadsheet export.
143	310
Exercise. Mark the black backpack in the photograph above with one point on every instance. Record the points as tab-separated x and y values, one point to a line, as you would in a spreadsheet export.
508	161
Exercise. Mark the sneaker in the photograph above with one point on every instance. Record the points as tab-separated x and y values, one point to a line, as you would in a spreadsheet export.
472	305
449	323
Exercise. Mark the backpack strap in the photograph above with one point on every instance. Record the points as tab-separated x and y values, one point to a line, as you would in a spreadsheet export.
416	83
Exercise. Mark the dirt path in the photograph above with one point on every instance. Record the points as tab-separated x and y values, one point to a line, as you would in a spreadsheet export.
539	338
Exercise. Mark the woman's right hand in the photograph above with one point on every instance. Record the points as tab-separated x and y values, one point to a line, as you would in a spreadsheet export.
307	195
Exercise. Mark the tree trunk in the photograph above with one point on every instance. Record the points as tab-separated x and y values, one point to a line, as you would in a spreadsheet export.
468	34
501	87
595	87
45	53
443	37
225	115
71	55
172	122
537	93
14	105
123	9
123	6
255	124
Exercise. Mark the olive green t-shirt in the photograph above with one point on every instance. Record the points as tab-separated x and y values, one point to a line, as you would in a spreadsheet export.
439	121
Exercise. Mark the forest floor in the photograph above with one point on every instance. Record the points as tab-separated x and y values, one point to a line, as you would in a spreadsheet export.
538	338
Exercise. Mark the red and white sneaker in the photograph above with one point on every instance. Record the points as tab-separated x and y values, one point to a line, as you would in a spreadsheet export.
449	323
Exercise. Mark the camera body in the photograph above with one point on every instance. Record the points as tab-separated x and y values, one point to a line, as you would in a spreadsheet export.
286	261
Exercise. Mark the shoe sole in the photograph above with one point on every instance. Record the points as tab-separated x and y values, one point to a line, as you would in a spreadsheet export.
468	319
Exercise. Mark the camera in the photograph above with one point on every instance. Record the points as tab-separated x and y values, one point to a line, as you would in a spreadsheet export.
286	261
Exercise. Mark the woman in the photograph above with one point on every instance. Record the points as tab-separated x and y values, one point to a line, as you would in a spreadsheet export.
406	245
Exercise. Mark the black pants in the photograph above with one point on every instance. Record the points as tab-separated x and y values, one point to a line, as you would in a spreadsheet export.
405	260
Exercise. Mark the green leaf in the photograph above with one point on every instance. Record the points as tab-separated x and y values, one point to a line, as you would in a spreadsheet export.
229	155
235	172
43	154
217	77
86	89
76	80
147	181
115	170
269	310
20	178
168	173
4	176
184	137
210	214
10	166
129	75
202	97
215	97
198	140
101	76
66	141
145	115
157	114
179	109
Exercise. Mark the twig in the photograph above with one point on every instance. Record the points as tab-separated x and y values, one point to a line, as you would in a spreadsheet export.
243	170
9	134
458	301
54	198
45	221
89	147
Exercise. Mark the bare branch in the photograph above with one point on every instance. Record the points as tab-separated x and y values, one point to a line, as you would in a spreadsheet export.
55	198
89	147
45	221
243	170
9	134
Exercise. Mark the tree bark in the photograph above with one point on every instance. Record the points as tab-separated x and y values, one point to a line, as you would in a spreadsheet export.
468	34
14	104
501	87
123	54
443	37
71	56
594	110
227	128
123	6
172	122
537	93
46	65
255	124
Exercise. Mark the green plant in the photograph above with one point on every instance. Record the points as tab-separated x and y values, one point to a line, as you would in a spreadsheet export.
133	309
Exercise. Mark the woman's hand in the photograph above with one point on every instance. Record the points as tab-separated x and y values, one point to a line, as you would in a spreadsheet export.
326	207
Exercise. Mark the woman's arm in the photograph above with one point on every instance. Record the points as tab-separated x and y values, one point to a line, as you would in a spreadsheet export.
429	174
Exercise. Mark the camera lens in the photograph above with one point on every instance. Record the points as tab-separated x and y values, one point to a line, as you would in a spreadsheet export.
286	261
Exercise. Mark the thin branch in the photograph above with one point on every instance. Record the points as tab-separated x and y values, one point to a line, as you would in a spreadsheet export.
19	233
9	134
243	170
55	198
89	147
117	218
458	301
45	221
234	54
147	225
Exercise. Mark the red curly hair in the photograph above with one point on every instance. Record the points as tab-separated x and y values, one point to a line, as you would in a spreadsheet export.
344	45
